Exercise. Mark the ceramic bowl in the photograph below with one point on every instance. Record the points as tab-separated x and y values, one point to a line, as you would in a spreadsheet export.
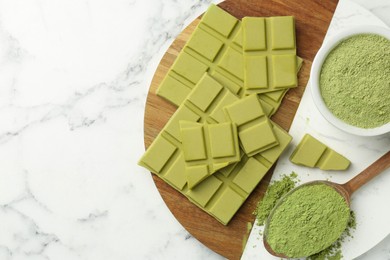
326	48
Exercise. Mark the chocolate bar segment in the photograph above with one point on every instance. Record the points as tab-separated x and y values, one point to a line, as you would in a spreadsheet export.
269	54
312	153
254	127
211	48
207	148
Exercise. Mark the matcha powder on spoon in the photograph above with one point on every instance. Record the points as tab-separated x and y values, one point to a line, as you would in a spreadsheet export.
307	221
355	81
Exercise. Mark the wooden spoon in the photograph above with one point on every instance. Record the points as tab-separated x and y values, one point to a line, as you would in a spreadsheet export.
345	190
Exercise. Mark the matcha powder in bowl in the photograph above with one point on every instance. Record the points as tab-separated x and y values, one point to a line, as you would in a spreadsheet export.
355	80
350	80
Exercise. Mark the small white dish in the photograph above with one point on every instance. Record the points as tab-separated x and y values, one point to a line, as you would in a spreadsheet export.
325	49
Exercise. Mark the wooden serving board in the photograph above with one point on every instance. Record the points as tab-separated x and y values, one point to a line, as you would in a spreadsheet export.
312	20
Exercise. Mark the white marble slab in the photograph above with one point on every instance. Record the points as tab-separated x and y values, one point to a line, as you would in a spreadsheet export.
370	203
74	76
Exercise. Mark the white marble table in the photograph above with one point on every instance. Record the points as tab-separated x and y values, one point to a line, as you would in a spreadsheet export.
73	82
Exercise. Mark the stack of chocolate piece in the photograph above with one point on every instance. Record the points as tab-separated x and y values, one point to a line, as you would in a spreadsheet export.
227	81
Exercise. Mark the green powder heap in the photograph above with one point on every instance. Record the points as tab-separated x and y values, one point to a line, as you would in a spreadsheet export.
274	192
308	221
334	251
355	81
278	189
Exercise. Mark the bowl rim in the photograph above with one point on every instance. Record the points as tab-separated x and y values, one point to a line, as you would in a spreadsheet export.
320	57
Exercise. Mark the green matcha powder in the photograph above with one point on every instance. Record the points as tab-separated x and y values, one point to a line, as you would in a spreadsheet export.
355	81
274	192
307	221
278	189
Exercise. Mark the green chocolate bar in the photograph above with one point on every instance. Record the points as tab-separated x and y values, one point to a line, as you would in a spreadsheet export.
254	128
211	48
312	153
272	100
269	54
222	193
216	47
207	148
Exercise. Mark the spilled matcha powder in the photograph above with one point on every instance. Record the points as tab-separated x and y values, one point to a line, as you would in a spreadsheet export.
274	192
355	81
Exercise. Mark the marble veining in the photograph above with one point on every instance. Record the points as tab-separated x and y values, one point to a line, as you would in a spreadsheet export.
73	84
74	76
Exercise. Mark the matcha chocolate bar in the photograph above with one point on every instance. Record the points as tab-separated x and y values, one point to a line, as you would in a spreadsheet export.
212	48
312	153
207	148
222	193
269	53
254	128
216	47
